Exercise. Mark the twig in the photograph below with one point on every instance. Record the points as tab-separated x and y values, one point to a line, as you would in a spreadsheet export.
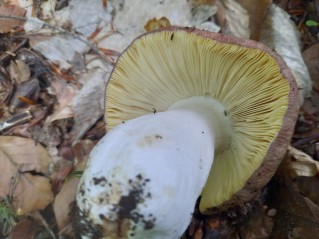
37	215
305	140
60	30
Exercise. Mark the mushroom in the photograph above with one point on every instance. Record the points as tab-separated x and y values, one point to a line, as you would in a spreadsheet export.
189	113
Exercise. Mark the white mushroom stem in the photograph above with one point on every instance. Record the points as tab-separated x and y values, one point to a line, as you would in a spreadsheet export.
144	176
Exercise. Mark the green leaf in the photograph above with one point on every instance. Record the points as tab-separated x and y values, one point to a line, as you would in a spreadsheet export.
311	23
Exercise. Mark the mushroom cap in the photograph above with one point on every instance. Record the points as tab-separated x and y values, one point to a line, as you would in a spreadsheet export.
250	80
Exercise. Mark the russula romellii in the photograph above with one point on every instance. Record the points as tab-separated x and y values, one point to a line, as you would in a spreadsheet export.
188	113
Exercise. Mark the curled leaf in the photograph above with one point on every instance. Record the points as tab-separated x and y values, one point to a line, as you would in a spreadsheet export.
155	24
24	164
297	163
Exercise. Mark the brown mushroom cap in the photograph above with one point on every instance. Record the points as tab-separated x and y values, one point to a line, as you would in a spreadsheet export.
251	81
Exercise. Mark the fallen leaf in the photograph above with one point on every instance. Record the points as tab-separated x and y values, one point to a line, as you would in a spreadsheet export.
65	93
202	14
242	18
29	89
24	164
88	104
26	229
6	88
257	11
59	49
62	169
62	205
155	24
297	163
233	18
19	71
308	186
6	24
259	225
304	233
295	212
280	33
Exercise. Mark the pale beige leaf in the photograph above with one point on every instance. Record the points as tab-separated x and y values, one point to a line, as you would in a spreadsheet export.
19	71
280	33
297	163
65	93
24	164
242	18
233	18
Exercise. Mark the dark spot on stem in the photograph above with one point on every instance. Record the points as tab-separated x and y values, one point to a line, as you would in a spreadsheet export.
99	181
139	177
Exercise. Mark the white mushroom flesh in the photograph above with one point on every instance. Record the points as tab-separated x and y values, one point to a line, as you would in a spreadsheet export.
144	177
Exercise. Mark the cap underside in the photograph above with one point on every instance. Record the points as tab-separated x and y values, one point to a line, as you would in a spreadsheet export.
162	67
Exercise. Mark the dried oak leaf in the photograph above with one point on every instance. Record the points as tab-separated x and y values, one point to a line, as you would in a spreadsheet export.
27	228
295	212
65	93
62	205
297	163
24	164
242	18
155	24
259	225
257	11
6	24
233	18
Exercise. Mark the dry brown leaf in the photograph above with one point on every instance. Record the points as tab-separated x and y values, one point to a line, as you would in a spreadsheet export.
257	11
62	169
62	205
155	24
6	24
233	18
23	163
297	163
6	87
295	212
243	18
308	186
304	233
63	202
26	229
259	225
